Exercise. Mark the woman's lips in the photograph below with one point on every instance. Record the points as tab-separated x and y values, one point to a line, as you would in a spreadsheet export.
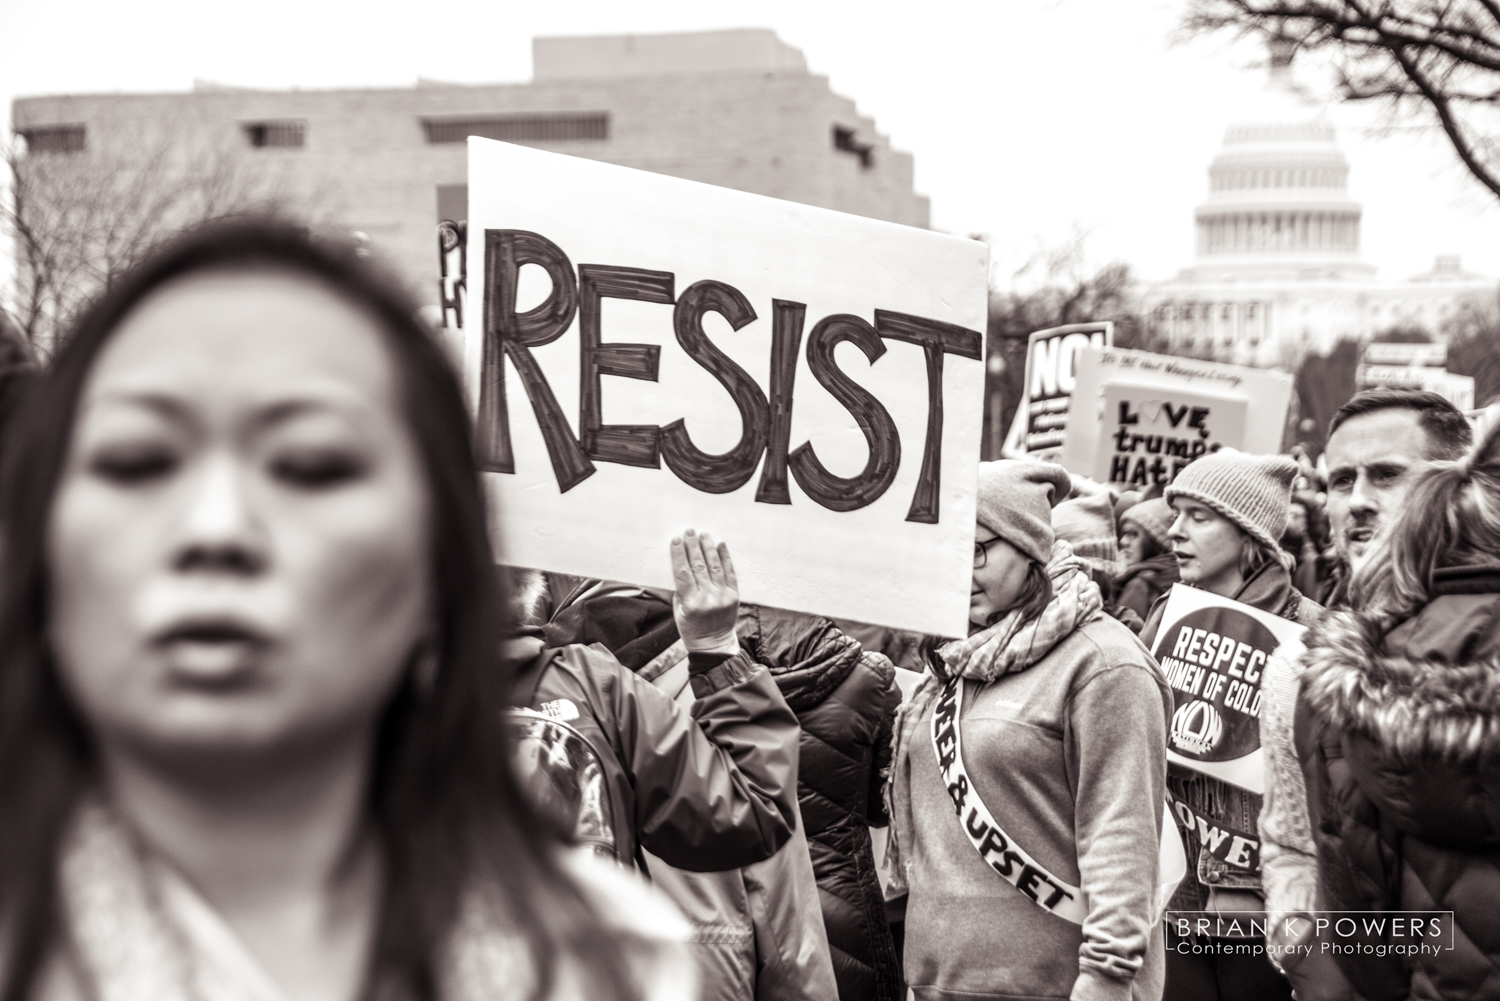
212	653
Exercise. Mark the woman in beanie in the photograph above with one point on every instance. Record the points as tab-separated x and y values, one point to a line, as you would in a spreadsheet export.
1028	777
1231	508
1146	552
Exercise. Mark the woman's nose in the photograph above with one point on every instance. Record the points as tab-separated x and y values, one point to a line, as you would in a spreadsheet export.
1178	531
220	530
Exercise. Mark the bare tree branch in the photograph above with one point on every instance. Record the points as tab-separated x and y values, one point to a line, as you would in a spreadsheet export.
1439	56
79	220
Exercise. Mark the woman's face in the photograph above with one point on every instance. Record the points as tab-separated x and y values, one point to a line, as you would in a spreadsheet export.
1132	544
238	550
1207	546
999	577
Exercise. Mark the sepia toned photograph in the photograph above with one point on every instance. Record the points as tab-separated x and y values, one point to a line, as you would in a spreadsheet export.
991	501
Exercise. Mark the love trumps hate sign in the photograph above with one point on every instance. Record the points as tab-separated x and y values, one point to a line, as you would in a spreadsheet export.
646	353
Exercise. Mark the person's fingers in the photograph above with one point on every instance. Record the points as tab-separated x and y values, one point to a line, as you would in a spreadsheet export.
727	563
681	571
699	565
711	559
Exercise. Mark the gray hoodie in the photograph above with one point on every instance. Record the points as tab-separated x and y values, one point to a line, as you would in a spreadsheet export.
1070	757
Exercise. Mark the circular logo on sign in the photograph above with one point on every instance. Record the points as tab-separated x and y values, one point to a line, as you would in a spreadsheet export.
1197	728
1213	659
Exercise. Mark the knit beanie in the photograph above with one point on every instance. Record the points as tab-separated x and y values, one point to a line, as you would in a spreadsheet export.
1154	517
1128	499
1014	500
1088	523
1253	491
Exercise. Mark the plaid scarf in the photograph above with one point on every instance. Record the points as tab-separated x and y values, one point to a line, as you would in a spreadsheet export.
1010	645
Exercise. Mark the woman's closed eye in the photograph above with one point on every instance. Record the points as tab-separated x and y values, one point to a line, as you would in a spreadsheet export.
318	468
134	463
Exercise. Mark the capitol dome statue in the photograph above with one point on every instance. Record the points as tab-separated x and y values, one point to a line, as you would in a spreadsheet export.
1277	270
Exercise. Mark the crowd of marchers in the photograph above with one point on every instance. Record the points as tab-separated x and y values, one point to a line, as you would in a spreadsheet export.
274	727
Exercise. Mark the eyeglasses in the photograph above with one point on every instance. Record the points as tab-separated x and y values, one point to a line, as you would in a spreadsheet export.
982	551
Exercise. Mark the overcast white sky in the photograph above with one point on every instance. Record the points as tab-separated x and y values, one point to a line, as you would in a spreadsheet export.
1031	120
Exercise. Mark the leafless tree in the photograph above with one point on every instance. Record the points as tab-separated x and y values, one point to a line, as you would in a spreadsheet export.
1438	58
78	220
1473	338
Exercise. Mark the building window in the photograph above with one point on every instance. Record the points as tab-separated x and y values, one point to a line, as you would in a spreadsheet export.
559	127
845	139
288	132
54	138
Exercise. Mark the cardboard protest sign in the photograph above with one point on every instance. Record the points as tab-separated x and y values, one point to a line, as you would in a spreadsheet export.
1213	652
647	354
1041	419
1139	418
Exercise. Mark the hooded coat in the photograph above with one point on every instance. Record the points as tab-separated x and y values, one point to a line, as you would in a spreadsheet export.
1398	734
844	699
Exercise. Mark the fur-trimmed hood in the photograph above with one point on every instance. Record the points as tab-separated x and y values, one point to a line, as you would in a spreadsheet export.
1418	709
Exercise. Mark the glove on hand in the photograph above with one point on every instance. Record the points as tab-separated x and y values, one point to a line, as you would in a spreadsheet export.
707	601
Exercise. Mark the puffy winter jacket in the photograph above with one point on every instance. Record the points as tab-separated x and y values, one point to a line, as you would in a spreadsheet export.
704	791
845	699
1399	740
757	930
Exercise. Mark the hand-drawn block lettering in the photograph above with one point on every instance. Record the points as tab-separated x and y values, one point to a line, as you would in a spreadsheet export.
936	339
838	493
716	474
786	342
508	333
627	444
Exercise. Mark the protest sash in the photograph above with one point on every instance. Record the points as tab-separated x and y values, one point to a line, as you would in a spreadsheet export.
1001	853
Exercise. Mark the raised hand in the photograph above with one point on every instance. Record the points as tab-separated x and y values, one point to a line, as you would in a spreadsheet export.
707	600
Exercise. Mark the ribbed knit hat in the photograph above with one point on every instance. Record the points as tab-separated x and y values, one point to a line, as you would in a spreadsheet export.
1154	517
1253	491
1088	523
1014	500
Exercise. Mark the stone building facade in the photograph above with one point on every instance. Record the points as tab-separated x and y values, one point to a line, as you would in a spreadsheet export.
733	108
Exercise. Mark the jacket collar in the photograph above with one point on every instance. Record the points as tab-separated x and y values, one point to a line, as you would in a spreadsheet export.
1268	589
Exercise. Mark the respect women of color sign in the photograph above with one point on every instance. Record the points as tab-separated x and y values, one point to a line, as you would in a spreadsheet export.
646	353
1213	652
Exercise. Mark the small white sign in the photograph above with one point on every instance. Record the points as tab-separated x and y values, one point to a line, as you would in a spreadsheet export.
1138	418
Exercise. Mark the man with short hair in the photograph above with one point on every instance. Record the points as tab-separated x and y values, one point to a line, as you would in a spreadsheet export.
1378	444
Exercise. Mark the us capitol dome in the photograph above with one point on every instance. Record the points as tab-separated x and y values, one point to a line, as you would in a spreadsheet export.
1277	272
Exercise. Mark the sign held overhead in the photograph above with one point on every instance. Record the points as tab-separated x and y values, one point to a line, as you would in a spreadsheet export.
647	353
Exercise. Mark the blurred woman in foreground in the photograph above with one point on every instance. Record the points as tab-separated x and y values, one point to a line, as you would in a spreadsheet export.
251	740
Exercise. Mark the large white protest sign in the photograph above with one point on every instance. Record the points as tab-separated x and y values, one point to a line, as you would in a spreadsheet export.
1041	419
1139	418
647	354
1213	652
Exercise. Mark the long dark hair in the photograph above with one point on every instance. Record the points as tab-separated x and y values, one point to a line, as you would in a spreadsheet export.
443	798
